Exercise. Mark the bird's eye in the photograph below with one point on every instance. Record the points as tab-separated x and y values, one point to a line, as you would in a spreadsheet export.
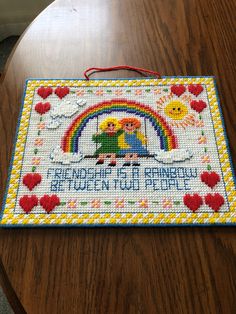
179	109
173	108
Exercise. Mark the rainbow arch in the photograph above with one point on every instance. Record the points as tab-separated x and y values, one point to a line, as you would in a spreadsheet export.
70	139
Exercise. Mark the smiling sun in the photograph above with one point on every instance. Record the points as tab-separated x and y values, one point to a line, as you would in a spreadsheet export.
178	112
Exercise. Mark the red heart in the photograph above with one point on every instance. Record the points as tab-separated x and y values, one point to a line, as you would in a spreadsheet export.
44	92
198	105
193	202
62	91
31	180
49	202
215	201
195	89
42	108
27	202
210	178
178	90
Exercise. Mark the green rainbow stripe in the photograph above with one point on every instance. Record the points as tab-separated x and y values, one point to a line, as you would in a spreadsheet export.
70	141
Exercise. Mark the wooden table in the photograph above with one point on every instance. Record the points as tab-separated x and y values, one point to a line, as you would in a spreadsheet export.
122	270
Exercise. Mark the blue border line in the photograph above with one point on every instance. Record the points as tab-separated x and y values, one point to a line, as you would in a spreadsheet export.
113	79
225	134
115	225
13	152
112	225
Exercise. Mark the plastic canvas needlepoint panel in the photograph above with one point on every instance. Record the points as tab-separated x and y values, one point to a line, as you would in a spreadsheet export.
120	152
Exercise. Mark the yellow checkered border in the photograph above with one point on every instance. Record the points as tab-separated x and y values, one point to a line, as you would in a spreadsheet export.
118	218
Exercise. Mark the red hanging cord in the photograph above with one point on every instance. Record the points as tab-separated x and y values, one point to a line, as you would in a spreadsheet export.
120	67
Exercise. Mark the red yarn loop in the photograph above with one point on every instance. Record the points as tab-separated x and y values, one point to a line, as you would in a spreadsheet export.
120	67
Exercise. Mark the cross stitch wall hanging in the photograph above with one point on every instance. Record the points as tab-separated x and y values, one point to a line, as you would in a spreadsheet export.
120	152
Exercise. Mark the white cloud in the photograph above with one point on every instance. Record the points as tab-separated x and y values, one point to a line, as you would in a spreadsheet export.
64	109
173	155
67	108
81	102
53	124
59	156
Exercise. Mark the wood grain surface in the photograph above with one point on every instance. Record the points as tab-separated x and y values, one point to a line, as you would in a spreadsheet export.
122	270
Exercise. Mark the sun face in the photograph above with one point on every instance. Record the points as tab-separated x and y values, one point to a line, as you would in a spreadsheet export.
176	110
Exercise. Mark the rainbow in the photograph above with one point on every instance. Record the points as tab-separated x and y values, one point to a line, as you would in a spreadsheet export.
168	140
